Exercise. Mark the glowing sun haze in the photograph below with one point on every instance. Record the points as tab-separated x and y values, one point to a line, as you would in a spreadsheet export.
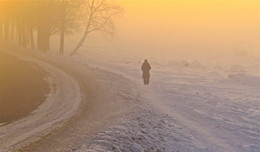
189	28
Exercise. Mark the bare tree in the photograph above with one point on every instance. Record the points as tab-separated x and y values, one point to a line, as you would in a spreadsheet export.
100	17
45	18
70	17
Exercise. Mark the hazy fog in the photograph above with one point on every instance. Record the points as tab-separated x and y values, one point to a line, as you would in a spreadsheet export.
184	29
204	30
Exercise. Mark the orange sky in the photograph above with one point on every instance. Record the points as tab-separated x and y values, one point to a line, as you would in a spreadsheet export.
209	24
190	27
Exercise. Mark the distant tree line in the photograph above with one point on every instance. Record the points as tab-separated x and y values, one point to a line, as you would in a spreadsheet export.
31	23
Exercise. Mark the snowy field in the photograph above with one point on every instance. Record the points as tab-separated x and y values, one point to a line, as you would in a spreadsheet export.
187	107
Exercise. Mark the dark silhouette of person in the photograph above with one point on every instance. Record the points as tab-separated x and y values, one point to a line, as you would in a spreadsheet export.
146	67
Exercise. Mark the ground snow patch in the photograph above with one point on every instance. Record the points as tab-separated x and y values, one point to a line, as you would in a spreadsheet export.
244	79
237	68
138	131
136	148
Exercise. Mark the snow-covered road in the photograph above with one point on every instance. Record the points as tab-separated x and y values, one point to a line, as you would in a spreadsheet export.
62	103
60	124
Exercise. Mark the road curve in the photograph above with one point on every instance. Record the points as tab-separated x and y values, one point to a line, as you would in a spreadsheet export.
61	104
101	102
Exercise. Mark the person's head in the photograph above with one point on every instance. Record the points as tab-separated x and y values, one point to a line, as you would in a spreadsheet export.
145	60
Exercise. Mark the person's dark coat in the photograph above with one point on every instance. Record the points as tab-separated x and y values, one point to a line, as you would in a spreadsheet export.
146	67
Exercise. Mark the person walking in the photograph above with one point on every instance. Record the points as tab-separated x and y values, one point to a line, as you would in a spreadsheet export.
146	67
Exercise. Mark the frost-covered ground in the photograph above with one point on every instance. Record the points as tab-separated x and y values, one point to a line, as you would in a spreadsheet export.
187	107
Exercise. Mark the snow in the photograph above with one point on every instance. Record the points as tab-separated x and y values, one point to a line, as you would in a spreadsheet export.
244	80
237	68
187	107
62	103
136	148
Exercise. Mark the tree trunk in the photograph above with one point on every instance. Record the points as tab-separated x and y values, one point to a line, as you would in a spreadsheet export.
62	30
62	42
6	30
11	33
31	37
1	28
83	37
43	38
19	35
86	31
80	43
22	35
27	36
